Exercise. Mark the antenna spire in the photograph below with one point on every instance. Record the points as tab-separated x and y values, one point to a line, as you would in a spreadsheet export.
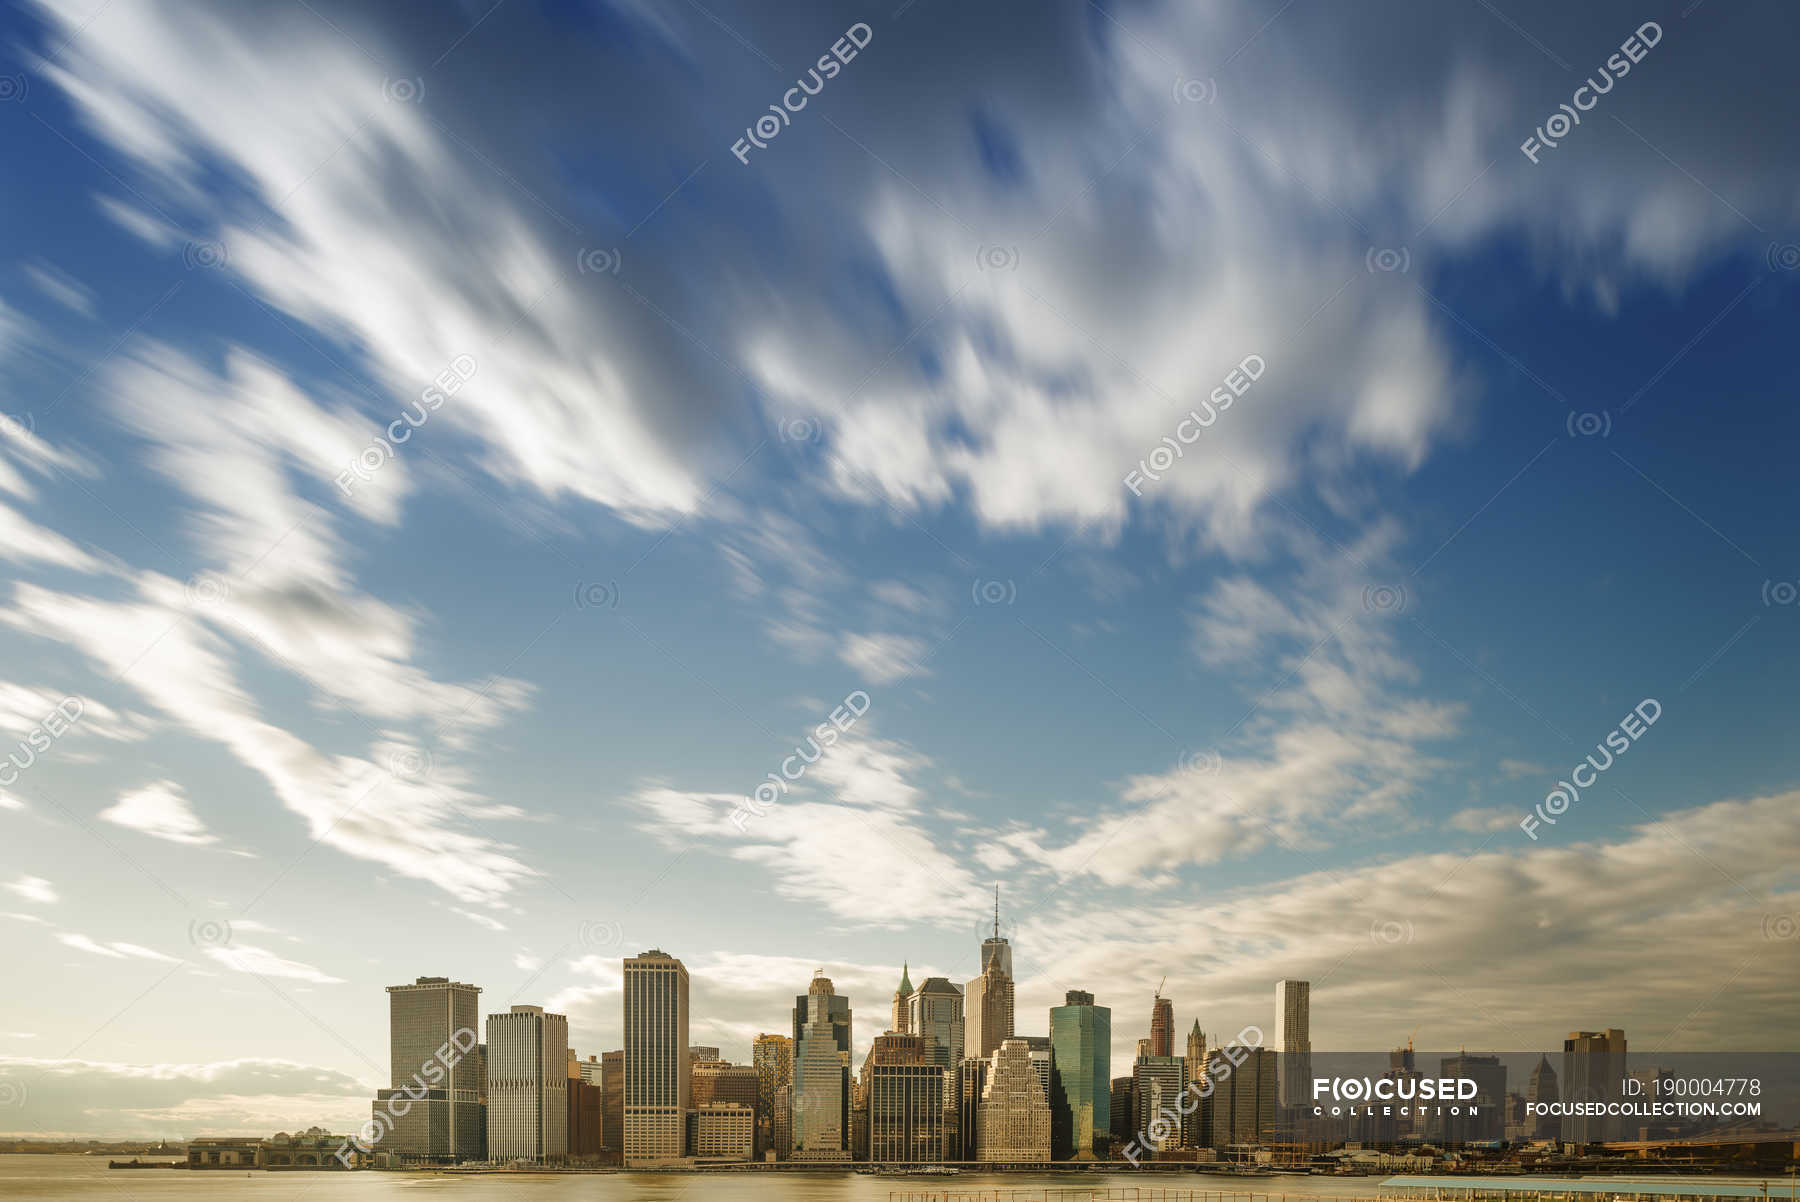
996	910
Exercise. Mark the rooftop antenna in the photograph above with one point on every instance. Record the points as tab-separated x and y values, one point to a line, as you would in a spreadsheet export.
996	910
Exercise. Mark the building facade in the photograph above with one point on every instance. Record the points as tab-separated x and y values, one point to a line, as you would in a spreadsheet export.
1593	1066
724	1131
1483	1117
935	1011
433	1028
1542	1088
1157	1083
1196	1070
773	1058
528	1085
1081	1103
1242	1105
1293	1026
656	1099
1013	1120
1162	1026
821	1092
901	1020
612	1106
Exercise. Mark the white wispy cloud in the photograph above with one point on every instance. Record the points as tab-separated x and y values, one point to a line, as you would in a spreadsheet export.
160	810
33	889
264	963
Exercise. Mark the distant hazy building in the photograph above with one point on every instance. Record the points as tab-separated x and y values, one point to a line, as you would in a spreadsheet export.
935	1011
1162	1026
821	1105
1483	1117
1293	1026
430	1022
1541	1088
1243	1099
773	1058
656	1058
1081	1103
905	1098
1013	1121
901	1020
1157	1083
528	1085
698	1052
1593	1066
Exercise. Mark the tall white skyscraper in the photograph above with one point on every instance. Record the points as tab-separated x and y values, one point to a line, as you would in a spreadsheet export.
527	1085
656	1058
1293	1023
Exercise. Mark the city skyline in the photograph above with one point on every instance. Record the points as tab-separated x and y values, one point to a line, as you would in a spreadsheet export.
1230	476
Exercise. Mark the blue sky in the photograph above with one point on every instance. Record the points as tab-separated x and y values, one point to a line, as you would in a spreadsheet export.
739	439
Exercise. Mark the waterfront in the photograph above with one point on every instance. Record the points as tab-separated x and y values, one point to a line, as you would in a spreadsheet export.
34	1178
38	1178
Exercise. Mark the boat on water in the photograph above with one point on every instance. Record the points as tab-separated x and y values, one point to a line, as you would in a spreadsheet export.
135	1163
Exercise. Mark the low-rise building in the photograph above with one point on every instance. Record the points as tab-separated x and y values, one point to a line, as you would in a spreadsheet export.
724	1131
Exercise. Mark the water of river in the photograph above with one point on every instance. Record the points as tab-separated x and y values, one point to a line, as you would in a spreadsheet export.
80	1178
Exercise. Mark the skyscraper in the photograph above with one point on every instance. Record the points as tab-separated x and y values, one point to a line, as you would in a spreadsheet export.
1194	1121
1484	1117
988	1018
773	1057
1162	1026
1243	1096
1593	1066
935	1011
1013	1121
906	1101
995	951
1542	1088
901	1019
431	1023
821	1106
656	1058
1081	1108
587	1108
1123	1121
1293	1023
612	1106
1157	1083
528	1085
